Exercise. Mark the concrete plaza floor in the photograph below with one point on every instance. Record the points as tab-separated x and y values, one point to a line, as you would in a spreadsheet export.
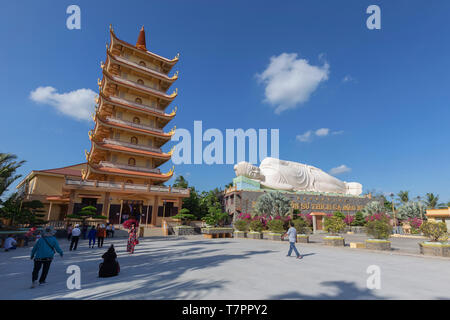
197	268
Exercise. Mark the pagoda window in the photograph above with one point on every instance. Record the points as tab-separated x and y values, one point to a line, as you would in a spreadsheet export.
119	115
142	63
148	164
117	136
129	182
136	120
131	162
134	140
140	81
138	100
114	158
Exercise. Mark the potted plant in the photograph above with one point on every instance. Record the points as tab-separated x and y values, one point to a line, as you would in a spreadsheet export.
184	218
256	227
303	229
380	231
276	229
216	220
241	227
437	233
334	225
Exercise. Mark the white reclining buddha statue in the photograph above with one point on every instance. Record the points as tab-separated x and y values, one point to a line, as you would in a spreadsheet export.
293	176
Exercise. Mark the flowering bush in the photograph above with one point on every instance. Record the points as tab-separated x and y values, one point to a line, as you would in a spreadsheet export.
333	224
308	218
245	216
301	226
349	219
377	216
415	223
261	219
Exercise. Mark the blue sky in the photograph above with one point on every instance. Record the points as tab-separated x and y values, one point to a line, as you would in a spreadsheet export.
384	93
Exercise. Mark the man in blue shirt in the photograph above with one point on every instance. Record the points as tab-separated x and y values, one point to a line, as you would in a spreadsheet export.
292	233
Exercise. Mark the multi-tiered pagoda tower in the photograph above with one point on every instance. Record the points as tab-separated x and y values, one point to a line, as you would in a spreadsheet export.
130	117
122	176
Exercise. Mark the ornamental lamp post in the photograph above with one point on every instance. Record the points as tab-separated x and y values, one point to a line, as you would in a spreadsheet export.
393	211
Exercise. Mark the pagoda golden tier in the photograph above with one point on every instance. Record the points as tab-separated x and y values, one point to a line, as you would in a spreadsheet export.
130	116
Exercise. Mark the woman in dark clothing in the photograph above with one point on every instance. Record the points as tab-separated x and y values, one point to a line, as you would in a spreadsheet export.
109	267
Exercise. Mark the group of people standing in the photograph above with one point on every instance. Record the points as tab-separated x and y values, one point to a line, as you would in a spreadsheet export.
99	233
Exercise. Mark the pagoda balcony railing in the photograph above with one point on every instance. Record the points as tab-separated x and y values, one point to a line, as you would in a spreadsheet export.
141	86
123	186
135	125
139	66
128	167
137	105
131	145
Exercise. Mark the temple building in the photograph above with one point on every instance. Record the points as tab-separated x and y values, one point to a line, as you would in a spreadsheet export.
121	176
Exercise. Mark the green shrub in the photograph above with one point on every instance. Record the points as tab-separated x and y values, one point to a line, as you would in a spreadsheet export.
241	225
334	224
379	229
100	217
339	214
301	226
359	220
276	226
184	217
256	226
436	231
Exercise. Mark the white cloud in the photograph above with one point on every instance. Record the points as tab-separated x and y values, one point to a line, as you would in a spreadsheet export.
78	104
290	81
322	132
348	78
306	137
340	170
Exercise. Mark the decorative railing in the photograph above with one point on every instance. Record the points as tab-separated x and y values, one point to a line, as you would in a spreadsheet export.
135	125
128	167
141	86
131	145
149	68
137	105
124	186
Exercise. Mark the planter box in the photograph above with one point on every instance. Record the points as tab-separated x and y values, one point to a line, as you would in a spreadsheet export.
377	244
302	238
265	235
334	241
183	230
254	235
438	249
240	234
274	236
217	232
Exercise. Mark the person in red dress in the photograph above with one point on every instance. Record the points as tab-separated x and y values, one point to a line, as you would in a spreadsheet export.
132	239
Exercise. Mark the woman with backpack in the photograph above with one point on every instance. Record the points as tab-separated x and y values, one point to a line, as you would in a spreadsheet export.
43	252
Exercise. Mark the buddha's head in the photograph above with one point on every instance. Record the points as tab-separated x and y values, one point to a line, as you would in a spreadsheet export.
247	170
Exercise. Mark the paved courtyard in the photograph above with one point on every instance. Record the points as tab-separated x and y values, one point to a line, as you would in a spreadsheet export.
197	268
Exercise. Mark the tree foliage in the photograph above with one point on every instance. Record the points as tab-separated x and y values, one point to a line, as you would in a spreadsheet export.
8	167
23	212
410	210
435	231
373	207
379	229
334	224
272	204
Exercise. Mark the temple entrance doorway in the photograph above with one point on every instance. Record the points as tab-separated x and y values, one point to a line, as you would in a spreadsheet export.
132	209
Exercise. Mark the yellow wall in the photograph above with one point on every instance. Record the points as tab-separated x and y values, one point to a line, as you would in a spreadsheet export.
48	185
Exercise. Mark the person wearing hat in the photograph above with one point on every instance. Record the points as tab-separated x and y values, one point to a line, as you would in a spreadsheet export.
42	253
75	237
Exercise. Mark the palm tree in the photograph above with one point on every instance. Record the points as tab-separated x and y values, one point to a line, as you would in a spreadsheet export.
403	196
180	182
432	200
8	167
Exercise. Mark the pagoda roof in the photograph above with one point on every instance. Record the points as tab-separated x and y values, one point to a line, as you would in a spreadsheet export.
123	172
128	150
134	106
132	65
109	123
169	62
137	86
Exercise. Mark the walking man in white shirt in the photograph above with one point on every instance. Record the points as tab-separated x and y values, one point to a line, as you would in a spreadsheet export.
292	233
75	237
